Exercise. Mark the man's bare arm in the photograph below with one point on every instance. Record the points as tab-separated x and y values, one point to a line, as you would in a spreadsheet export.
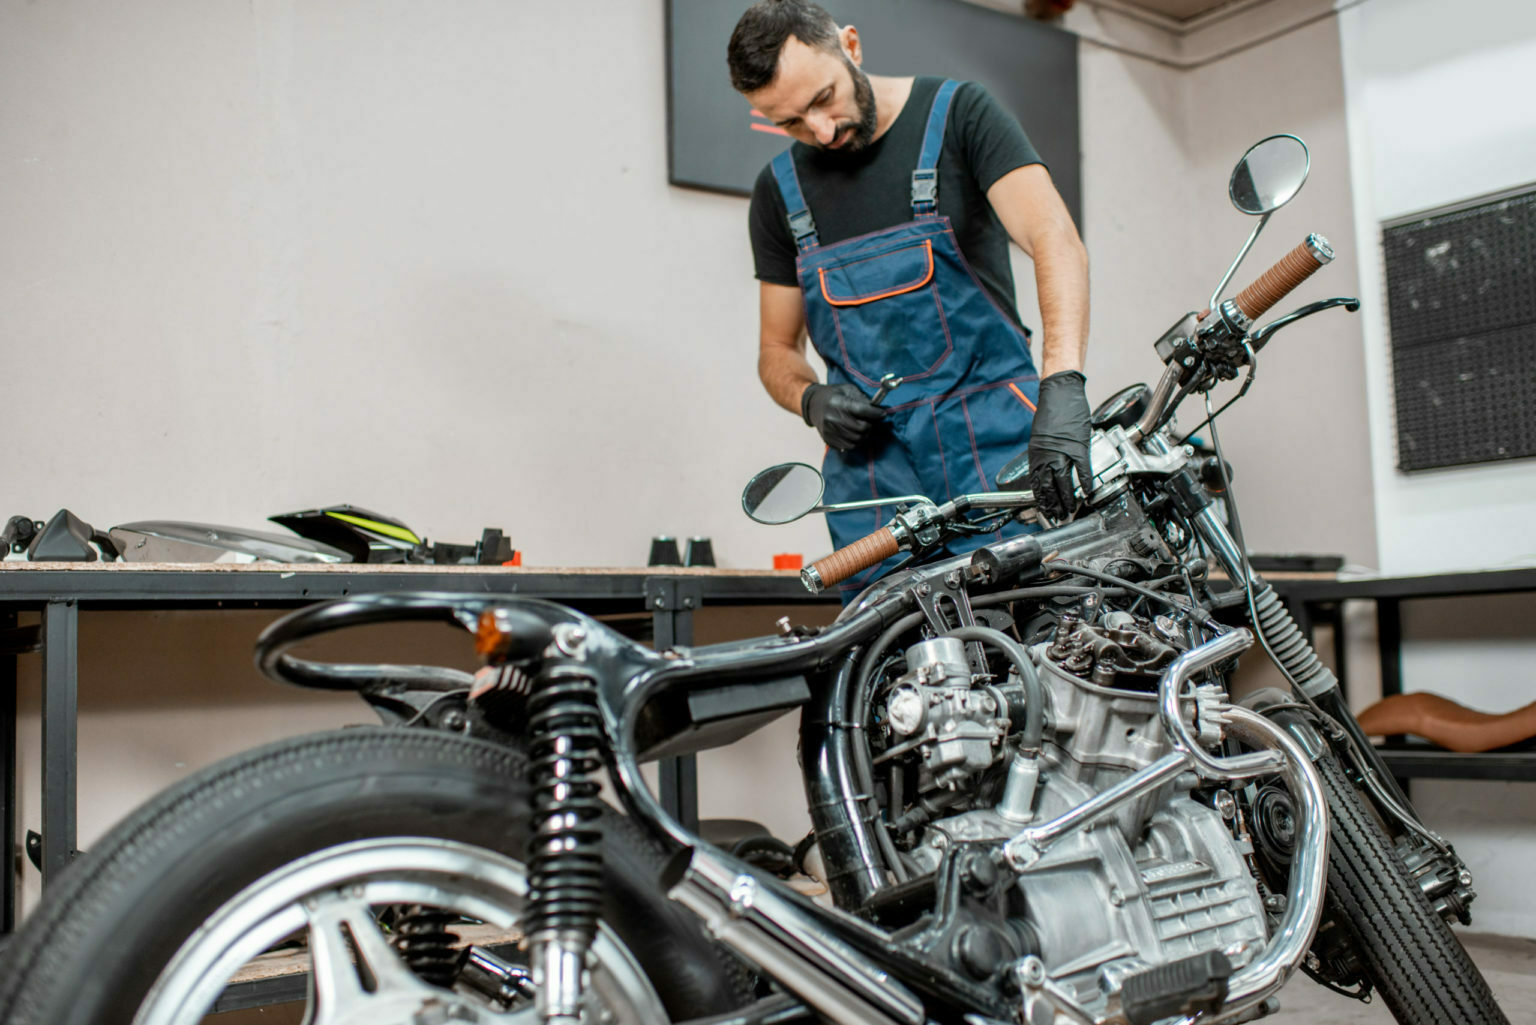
781	362
1031	210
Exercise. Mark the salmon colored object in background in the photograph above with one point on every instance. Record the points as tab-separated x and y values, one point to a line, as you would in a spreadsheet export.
788	560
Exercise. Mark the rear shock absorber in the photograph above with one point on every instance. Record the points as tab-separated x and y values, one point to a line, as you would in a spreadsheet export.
426	945
565	858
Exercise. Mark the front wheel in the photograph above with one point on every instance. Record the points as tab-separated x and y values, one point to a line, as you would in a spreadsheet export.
1411	956
369	851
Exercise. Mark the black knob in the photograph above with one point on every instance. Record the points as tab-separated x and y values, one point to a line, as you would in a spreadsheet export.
1212	471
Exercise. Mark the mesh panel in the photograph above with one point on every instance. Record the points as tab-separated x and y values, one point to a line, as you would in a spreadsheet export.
1461	296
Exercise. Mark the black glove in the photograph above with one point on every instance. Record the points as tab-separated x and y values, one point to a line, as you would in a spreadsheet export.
841	414
1058	444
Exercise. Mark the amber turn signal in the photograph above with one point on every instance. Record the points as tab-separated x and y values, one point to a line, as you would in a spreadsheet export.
493	637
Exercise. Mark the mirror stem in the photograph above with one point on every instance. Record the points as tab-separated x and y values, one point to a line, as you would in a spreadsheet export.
1216	295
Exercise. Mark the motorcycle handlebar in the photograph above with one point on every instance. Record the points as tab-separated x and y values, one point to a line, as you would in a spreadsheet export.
1289	271
867	551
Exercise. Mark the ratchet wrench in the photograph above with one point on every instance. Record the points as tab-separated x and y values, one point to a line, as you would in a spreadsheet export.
888	384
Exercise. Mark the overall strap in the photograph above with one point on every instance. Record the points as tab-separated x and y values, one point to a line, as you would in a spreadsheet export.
801	224
925	180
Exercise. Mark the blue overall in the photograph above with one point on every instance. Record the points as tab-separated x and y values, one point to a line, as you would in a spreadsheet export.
904	301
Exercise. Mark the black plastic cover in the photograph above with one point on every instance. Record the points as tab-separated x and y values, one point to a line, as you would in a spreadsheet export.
66	538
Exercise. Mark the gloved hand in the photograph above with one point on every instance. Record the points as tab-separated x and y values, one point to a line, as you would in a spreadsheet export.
1058	444
841	414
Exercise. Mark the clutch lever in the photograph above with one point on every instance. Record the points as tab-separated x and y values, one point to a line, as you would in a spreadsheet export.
1261	336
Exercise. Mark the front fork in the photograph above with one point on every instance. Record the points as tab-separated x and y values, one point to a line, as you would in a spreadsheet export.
1429	857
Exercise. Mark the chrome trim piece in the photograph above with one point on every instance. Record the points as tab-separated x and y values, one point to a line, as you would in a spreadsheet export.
1220	539
765	928
1241	253
1028	846
1309	870
1170	690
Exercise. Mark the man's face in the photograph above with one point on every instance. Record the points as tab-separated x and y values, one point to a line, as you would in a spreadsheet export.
820	97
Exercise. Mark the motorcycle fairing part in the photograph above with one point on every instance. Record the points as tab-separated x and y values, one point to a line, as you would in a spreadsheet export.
904	301
177	541
365	536
68	538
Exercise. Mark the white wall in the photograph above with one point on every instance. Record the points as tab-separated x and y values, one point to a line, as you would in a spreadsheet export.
1439	111
260	256
265	255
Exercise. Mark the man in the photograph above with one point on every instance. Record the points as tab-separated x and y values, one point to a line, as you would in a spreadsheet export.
884	232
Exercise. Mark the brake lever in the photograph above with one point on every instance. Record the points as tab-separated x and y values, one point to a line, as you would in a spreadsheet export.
1261	336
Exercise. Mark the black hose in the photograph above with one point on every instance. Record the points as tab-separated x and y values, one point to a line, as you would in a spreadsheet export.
1034	690
1073	569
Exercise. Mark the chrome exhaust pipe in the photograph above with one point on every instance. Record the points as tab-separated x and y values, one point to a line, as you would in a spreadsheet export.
788	944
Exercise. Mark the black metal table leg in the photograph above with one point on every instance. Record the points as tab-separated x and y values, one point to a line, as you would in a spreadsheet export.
8	777
1340	648
672	601
61	622
1389	641
1389	644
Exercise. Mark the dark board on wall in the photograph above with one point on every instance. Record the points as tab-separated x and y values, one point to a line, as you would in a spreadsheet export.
1461	296
1031	69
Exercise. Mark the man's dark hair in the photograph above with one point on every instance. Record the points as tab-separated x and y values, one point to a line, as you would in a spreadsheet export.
753	52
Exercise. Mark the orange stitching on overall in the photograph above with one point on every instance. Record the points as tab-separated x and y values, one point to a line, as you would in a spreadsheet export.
860	300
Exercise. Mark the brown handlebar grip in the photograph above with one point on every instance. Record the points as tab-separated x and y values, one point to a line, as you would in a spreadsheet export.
1291	270
867	551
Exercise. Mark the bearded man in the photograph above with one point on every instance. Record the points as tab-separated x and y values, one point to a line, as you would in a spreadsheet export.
882	233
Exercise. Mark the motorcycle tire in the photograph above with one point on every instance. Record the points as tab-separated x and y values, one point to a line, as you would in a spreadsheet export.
1411	956
95	947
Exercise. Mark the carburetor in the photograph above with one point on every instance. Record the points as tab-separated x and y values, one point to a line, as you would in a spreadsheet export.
937	707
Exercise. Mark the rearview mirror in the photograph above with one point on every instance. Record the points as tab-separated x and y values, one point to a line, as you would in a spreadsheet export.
783	493
1270	173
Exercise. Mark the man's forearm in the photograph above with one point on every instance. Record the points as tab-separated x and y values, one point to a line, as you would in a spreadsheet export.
785	374
1061	281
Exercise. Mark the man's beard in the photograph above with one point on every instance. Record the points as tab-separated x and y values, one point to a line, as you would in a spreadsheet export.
863	130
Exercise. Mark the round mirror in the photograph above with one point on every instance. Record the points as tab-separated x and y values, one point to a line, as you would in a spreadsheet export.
1269	174
783	493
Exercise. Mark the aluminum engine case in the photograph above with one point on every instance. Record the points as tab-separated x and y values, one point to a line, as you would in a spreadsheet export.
1161	880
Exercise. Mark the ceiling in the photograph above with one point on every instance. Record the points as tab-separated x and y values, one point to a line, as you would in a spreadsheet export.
1178	10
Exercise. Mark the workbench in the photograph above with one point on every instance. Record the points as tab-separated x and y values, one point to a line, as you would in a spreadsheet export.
669	594
61	590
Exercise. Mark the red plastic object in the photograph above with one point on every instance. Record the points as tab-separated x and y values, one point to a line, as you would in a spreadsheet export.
788	560
516	560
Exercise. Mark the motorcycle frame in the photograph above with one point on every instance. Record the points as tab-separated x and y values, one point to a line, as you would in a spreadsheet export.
632	680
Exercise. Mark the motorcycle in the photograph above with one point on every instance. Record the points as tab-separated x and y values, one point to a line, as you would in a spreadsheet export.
1033	799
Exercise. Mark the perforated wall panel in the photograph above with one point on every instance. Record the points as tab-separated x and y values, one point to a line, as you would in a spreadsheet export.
1461	297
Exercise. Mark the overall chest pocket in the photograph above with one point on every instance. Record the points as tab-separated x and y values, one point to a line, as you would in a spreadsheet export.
886	309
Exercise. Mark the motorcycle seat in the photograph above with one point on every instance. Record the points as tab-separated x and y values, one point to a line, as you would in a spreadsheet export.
1444	722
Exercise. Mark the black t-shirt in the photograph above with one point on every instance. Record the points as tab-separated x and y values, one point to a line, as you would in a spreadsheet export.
873	190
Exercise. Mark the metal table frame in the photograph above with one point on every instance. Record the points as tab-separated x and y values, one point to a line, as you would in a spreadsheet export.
1318	599
669	594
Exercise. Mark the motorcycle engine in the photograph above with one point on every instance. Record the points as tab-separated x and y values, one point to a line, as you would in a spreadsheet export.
1164	878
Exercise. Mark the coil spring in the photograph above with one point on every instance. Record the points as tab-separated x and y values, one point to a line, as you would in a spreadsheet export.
426	945
565	857
1290	645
